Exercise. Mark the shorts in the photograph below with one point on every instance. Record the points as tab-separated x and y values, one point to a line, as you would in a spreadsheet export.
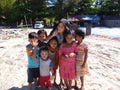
33	73
45	81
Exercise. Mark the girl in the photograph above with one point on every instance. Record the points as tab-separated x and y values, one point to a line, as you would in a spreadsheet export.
81	58
67	53
59	31
53	53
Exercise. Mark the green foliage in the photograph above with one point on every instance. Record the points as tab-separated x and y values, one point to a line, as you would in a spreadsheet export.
110	7
16	10
6	7
64	7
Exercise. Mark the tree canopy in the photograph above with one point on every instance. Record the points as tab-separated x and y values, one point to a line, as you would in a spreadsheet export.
15	10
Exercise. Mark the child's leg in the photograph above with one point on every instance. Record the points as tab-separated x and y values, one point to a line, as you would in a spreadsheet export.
75	87
48	82
70	84
75	83
30	77
66	83
42	81
55	78
82	82
61	82
30	86
35	81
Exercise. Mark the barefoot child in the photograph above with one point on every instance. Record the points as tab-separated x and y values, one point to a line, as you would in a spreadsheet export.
33	65
46	66
53	54
59	32
67	52
81	58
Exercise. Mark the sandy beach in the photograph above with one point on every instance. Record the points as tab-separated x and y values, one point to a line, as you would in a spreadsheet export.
103	60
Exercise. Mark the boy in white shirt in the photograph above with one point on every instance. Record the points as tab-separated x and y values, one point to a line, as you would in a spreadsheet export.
46	66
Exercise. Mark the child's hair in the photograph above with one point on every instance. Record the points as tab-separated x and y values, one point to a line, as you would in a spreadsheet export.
44	48
65	23
32	35
54	38
80	33
66	34
42	31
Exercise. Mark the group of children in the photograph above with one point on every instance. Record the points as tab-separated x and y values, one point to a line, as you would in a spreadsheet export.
61	50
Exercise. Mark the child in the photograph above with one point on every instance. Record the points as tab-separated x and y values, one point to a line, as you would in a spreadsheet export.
60	30
81	58
42	35
33	54
53	53
46	66
67	52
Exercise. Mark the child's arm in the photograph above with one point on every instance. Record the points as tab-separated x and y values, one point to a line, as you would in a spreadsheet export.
51	70
85	58
51	36
32	53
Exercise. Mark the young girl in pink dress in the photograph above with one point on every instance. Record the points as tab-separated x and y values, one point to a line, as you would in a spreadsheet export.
67	54
81	58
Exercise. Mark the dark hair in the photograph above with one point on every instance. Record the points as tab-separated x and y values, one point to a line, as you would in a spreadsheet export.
66	34
44	48
42	31
32	35
54	38
80	33
64	22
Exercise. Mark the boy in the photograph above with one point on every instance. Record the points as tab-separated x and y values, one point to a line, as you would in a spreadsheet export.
42	35
46	66
33	63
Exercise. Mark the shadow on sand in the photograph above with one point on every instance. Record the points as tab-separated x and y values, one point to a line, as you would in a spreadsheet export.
26	88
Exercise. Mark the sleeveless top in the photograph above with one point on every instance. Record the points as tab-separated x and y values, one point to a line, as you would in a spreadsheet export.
33	63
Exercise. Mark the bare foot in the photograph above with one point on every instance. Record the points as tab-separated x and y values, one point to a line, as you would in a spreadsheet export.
75	87
82	88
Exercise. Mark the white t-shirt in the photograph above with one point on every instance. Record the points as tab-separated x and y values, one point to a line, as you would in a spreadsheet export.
45	66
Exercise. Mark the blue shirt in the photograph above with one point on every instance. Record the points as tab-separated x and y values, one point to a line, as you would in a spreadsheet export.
33	63
60	39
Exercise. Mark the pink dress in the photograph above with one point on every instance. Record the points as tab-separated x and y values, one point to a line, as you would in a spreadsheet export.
67	65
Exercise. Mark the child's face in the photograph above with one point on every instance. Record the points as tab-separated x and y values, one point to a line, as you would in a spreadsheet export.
42	37
78	38
69	38
33	40
61	28
44	55
53	44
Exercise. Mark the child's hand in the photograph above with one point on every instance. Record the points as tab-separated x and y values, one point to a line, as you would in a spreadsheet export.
66	56
54	33
52	77
72	55
34	43
83	65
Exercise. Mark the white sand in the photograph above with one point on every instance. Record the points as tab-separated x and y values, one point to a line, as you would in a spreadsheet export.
104	62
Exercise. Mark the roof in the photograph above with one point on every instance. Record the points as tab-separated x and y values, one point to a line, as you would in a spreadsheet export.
86	17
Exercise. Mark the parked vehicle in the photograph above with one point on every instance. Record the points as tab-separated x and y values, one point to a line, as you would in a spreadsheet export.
39	24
